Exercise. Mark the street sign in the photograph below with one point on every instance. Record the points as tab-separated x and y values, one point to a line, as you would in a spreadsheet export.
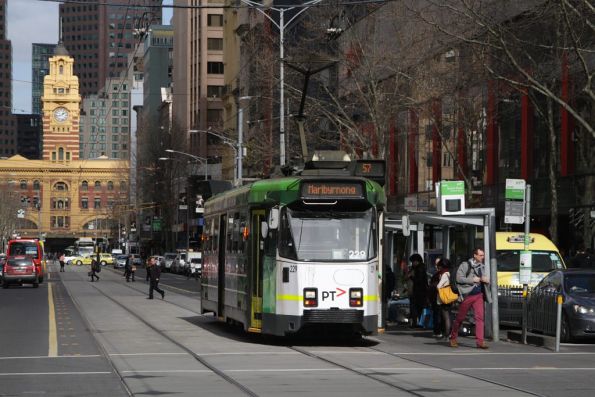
514	206
20	213
525	267
451	197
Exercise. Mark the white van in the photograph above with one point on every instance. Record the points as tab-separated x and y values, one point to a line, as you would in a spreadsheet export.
170	257
195	260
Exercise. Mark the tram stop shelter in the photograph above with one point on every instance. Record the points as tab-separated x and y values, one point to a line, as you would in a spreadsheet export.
413	226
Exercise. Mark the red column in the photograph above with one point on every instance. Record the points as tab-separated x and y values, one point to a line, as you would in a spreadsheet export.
491	136
392	160
566	143
526	137
412	137
436	141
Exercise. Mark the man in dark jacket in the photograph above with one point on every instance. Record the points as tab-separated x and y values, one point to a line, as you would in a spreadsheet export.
154	274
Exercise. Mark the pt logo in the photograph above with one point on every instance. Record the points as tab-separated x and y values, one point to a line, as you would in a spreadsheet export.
332	294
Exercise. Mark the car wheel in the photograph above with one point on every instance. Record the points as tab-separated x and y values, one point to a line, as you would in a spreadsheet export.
565	335
5	284
79	263
103	263
36	285
40	280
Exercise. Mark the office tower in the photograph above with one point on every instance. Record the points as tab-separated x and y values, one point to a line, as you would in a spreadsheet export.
99	37
40	67
8	139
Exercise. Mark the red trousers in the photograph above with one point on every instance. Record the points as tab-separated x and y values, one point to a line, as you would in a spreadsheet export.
475	301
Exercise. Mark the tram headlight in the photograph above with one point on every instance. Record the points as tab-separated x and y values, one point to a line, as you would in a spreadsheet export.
356	297
310	297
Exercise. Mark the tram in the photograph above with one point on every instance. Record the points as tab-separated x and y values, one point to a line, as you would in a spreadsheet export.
295	253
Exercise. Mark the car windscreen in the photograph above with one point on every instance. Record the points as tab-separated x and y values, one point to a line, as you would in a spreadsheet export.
541	261
170	256
579	283
24	248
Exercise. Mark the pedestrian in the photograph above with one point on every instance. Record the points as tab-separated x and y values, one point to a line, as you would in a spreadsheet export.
155	273
433	299
472	282
148	277
389	283
61	259
417	285
445	310
127	269
95	268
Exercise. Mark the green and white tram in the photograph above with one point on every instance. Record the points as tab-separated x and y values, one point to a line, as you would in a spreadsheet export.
282	255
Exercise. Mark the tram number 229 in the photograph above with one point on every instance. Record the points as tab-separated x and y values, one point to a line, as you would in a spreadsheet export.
293	268
355	254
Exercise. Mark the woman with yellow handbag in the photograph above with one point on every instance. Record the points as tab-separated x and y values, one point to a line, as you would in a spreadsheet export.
446	297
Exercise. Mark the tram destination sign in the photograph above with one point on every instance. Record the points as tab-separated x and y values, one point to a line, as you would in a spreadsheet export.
324	190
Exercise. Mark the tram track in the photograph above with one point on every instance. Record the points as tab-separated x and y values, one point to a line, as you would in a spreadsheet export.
244	389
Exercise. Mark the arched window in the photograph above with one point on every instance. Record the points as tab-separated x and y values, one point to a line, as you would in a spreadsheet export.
110	185
122	185
61	186
61	154
23	184
36	185
61	69
85	186
97	185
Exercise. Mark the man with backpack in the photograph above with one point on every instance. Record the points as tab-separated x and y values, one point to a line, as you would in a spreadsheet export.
472	281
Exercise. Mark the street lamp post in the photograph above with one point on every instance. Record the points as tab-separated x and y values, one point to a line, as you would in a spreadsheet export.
281	26
202	160
237	149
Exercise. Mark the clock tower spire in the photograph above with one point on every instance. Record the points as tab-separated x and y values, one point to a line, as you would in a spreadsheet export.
61	108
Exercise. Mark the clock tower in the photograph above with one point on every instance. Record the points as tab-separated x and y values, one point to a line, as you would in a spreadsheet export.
61	109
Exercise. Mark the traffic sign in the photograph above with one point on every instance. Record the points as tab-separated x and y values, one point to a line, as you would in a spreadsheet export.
20	213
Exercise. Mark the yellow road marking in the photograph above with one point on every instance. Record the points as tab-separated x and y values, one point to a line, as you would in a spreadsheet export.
53	339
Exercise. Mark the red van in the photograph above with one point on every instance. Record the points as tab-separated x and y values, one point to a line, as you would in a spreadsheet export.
31	247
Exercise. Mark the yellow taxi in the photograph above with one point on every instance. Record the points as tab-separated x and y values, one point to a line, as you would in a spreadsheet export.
106	259
81	260
545	257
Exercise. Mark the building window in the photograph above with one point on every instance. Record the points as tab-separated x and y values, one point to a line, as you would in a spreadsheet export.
97	185
36	185
215	67
215	91
214	44
23	185
61	187
97	202
110	185
215	20
122	185
214	115
85	186
85	203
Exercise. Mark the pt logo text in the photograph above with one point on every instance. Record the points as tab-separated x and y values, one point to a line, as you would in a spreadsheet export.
331	295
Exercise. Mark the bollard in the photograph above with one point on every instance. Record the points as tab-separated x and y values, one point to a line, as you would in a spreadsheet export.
559	301
524	318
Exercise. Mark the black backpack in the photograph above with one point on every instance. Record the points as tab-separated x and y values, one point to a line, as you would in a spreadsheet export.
453	276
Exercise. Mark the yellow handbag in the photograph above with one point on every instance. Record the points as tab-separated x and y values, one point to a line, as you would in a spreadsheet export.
446	295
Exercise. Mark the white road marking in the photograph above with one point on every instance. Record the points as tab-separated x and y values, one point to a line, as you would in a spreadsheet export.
148	354
53	373
525	369
492	353
247	353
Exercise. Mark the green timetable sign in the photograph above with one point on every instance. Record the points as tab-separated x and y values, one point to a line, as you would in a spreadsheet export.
452	188
514	204
515	189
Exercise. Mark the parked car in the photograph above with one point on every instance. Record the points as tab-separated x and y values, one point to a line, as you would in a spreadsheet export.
577	287
160	260
106	259
2	259
120	261
170	257
19	269
136	260
195	264
179	264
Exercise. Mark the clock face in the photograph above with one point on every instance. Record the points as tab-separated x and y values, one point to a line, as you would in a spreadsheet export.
60	114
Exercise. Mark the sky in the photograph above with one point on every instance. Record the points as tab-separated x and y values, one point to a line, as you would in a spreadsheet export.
28	22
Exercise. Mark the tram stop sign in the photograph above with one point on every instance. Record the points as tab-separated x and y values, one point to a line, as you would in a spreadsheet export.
525	267
514	206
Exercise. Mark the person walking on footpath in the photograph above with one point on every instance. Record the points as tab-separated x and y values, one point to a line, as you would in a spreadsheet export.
444	266
154	273
128	269
95	268
61	260
472	282
417	282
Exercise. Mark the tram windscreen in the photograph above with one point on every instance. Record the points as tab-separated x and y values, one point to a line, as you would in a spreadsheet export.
327	236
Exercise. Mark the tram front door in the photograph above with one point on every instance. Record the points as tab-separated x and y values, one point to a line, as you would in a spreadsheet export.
256	260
